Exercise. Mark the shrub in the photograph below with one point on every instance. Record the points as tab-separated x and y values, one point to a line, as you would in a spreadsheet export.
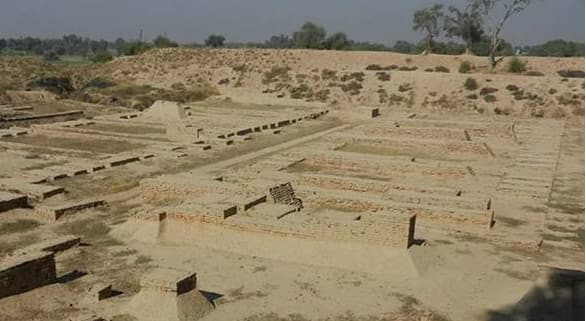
428	69
517	66
359	76
407	68
352	88
404	87
489	98
377	67
465	67
135	48
487	91
276	73
552	91
512	88
471	84
441	69
383	76
472	96
571	73
101	57
300	92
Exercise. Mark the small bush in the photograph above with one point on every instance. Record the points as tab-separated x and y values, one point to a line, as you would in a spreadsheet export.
377	67
224	81
300	92
487	90
517	66
404	87
383	76
441	69
276	73
358	76
465	67
101	57
571	73
471	84
407	68
352	88
428	69
489	98
472	96
552	91
512	88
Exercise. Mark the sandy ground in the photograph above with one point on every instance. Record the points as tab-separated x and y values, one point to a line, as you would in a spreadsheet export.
458	274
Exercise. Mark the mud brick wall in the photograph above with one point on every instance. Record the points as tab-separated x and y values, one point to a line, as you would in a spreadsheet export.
26	274
15	202
382	168
154	189
415	145
389	234
445	215
417	132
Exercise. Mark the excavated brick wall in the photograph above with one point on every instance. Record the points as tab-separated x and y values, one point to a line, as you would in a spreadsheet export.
25	272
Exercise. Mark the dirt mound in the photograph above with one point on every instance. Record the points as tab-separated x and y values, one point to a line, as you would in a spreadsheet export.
343	79
24	96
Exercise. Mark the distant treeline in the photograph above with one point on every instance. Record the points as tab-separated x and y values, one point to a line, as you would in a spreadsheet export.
310	36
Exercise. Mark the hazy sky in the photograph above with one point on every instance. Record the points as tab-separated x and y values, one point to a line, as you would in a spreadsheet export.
382	21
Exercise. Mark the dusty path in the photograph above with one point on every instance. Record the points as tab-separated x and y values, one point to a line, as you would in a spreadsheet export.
266	151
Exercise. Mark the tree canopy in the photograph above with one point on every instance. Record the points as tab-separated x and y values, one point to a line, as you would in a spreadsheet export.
429	20
215	41
310	36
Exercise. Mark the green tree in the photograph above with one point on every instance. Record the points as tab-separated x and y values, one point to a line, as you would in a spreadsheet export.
279	42
337	41
215	41
466	25
310	36
164	42
101	57
135	47
402	46
496	13
429	21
